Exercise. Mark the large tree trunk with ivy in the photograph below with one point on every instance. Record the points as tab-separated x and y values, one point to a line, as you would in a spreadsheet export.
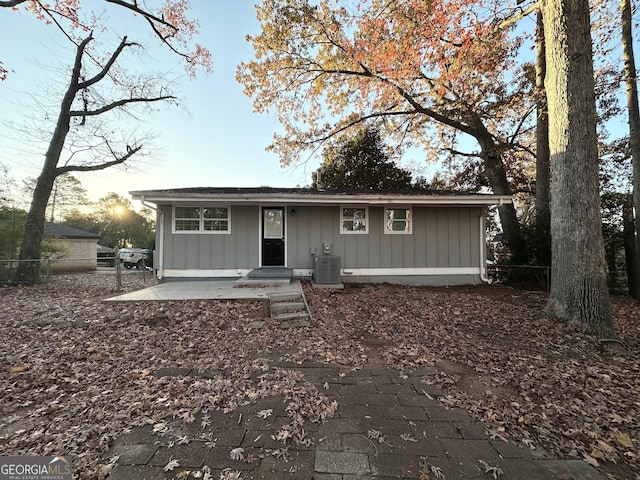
542	248
633	266
579	292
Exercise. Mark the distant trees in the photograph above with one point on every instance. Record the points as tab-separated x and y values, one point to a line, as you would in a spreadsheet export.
117	222
121	226
11	217
67	193
359	162
113	217
11	229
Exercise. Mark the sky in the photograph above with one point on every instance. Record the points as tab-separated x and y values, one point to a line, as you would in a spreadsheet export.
215	139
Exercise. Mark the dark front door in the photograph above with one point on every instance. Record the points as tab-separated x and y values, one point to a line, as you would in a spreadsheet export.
273	237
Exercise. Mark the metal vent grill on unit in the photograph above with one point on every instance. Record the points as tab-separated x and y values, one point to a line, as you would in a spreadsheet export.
326	269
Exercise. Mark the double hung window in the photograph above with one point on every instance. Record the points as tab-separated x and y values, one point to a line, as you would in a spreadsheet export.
397	220
354	220
201	219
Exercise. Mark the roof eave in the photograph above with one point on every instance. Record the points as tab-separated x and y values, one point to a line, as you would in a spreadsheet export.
321	199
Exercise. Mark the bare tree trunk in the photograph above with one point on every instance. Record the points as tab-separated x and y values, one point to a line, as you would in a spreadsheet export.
28	270
630	251
511	230
634	135
579	292
497	176
54	198
543	166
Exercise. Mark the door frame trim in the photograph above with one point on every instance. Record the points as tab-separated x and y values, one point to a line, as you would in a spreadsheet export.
261	208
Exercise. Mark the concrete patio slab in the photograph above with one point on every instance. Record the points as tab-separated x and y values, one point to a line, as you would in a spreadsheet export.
209	290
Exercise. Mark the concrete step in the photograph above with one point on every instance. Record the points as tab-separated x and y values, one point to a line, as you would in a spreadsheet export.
289	309
280	307
284	297
266	282
284	317
271	272
301	322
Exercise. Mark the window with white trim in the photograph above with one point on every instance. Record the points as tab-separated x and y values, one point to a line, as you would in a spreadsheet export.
397	220
186	219
354	220
215	219
201	219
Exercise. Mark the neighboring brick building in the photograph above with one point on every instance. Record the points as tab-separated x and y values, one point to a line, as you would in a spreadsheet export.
77	249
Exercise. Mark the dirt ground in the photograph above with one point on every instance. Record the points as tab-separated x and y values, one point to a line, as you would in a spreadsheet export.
78	373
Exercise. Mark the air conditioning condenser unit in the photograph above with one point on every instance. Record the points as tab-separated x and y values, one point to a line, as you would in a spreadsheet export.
326	269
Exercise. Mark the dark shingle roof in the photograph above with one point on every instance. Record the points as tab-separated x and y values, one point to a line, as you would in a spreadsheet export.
310	196
301	191
56	230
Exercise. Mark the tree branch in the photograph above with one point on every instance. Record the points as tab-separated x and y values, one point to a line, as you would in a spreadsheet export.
408	98
178	27
164	40
105	70
153	21
360	120
523	13
433	114
453	151
11	3
116	104
144	13
101	166
518	129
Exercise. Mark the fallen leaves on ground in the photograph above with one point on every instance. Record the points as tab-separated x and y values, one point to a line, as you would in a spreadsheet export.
78	372
532	379
87	369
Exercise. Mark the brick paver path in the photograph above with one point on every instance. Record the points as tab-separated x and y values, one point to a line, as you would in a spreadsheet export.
386	427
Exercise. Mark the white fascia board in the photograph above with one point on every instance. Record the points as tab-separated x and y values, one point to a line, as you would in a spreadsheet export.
372	272
310	199
211	273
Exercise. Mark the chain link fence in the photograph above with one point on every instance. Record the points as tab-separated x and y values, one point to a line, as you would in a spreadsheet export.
525	277
533	277
43	271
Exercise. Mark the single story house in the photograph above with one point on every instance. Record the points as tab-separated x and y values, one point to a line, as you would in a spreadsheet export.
75	249
414	237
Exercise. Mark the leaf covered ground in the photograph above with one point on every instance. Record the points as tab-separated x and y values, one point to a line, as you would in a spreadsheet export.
77	373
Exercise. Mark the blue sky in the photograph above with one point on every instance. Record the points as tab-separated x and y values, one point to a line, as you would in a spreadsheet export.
216	140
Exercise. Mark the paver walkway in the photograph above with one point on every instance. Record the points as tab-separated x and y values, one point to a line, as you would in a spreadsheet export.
386	427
